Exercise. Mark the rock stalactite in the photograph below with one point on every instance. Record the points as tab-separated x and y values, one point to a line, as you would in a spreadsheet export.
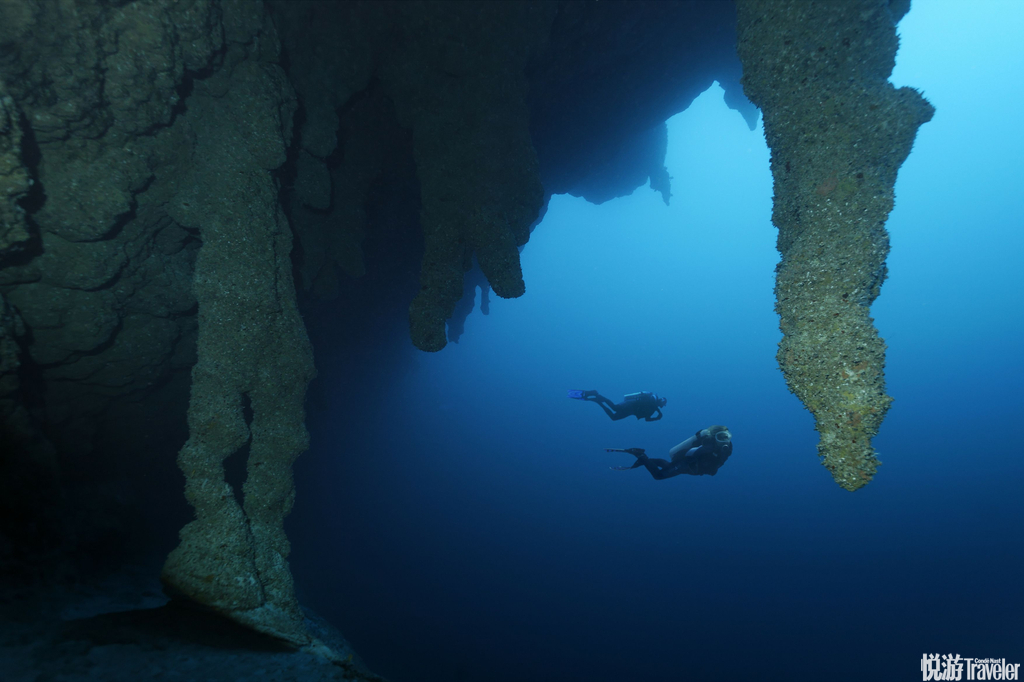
459	84
495	100
453	76
838	132
149	169
252	348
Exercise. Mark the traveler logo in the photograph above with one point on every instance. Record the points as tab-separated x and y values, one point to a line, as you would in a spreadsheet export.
953	667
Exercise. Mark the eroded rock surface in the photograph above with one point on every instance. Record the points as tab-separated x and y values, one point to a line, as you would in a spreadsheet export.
500	105
100	307
838	131
252	348
149	167
104	283
98	275
14	177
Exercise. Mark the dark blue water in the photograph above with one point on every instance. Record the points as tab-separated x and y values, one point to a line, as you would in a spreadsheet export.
457	517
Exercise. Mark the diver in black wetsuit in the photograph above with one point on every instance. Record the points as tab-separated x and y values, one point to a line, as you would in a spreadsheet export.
642	405
701	454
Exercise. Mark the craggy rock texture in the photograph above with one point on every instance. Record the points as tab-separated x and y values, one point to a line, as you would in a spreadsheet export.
458	82
14	177
99	276
149	169
454	76
838	131
105	288
99	302
610	76
252	347
456	87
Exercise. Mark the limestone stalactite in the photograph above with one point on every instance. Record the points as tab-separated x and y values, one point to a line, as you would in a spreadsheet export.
252	346
838	132
459	84
143	149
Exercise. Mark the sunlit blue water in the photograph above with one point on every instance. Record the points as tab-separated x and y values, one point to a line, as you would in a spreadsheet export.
460	521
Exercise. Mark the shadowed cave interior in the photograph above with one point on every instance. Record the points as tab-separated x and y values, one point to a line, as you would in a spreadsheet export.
213	211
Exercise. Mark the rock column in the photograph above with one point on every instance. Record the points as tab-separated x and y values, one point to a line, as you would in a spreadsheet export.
252	349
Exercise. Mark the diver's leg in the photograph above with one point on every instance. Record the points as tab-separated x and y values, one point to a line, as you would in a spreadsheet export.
613	413
607	405
656	466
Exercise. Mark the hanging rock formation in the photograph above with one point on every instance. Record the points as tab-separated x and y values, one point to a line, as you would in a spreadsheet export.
151	183
149	128
453	74
838	131
459	84
499	105
251	346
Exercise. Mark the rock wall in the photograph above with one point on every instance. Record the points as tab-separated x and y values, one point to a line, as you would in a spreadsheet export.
95	271
154	152
14	178
610	76
502	105
838	131
136	133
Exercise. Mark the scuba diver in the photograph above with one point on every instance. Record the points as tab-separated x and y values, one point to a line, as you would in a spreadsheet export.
642	405
702	453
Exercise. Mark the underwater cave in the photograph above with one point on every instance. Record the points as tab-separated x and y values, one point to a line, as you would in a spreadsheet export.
301	302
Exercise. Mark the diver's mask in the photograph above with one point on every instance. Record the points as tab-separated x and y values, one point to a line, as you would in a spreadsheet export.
722	437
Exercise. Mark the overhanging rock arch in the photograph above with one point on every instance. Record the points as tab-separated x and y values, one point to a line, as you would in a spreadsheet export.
141	164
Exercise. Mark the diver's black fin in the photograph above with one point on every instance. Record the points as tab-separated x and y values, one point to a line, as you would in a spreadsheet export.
625	468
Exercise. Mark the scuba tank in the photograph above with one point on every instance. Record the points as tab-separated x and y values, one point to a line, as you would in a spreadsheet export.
633	397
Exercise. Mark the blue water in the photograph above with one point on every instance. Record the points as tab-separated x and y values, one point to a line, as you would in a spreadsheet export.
456	514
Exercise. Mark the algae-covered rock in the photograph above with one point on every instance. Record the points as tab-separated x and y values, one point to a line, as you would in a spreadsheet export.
14	176
91	90
458	82
252	353
838	131
452	73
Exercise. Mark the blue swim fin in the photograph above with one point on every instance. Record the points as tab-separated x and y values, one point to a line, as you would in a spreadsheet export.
576	395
